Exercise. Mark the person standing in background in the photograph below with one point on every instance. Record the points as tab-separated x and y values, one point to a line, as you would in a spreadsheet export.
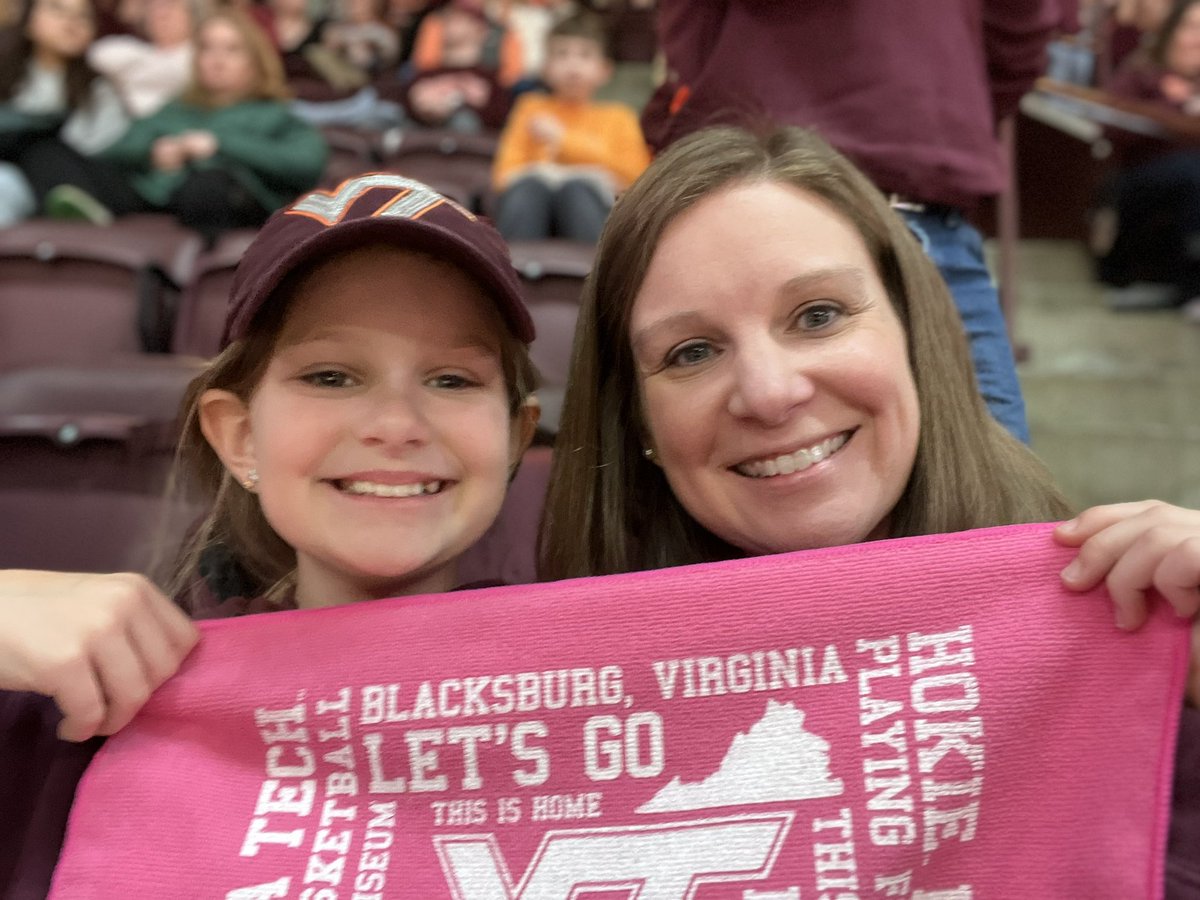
912	93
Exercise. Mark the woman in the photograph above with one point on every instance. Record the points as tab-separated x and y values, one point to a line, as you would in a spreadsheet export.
767	361
56	113
229	152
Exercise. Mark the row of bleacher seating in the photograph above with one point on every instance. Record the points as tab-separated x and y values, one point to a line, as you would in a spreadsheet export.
459	165
71	292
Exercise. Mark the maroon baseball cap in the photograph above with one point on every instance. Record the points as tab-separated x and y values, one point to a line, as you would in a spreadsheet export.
381	207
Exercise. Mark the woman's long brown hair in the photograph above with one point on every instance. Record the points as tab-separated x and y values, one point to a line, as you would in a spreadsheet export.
610	510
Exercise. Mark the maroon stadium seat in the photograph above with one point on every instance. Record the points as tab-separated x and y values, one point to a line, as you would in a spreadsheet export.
73	291
86	452
458	164
552	275
351	152
508	550
201	316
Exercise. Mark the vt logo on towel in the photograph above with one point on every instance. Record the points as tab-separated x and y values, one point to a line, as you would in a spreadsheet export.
932	719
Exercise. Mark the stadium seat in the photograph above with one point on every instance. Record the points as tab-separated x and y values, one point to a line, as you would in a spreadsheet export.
201	317
74	291
508	550
552	275
86	451
351	152
458	164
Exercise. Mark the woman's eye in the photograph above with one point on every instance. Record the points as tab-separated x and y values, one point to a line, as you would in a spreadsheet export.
818	316
691	354
327	378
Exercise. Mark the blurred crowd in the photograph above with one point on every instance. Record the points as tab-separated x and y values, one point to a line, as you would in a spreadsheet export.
219	113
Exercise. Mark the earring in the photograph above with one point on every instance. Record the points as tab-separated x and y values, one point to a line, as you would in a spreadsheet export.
648	452
250	482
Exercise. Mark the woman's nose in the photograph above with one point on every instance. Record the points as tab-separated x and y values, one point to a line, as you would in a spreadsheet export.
770	382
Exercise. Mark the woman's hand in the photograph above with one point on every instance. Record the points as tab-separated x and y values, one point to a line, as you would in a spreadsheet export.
1133	547
199	144
98	644
167	154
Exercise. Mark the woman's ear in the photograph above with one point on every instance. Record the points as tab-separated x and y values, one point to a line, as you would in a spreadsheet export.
225	422
523	428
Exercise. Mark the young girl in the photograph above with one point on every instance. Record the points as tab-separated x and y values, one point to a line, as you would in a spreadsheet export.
354	438
228	152
56	113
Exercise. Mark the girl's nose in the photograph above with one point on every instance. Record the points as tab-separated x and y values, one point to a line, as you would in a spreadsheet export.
393	418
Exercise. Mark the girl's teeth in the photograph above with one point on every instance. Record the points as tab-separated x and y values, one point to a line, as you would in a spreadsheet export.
794	462
391	490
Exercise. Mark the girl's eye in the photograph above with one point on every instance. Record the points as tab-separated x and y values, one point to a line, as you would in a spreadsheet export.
327	378
818	316
452	381
692	353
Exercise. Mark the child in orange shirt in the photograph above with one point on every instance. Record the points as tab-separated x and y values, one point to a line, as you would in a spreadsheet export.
563	158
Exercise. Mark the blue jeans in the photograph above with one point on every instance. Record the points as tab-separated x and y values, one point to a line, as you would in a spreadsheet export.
956	248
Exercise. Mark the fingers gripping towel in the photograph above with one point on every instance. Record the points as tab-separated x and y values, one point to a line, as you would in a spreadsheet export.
930	718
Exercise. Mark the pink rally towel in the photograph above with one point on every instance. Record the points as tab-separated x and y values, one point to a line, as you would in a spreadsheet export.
932	718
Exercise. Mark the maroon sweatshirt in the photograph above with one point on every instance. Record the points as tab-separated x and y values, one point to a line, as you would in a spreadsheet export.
910	91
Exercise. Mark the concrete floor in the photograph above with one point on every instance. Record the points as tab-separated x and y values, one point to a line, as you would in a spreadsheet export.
1113	397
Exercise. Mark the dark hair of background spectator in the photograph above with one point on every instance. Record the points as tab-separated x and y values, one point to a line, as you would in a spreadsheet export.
16	50
1160	42
585	25
270	84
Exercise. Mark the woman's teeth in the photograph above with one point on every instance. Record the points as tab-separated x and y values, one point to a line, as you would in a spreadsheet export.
794	462
390	490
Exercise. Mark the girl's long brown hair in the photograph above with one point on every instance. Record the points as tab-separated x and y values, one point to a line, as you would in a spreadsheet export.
610	510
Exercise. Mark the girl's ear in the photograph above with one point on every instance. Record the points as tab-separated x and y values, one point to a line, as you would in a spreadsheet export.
225	421
523	427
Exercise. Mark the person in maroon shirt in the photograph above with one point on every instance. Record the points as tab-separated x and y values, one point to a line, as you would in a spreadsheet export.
911	92
355	437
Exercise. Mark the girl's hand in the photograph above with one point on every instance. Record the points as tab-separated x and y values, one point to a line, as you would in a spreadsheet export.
98	644
547	130
1133	547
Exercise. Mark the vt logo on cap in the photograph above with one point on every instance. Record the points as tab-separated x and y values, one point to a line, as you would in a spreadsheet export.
375	207
412	200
